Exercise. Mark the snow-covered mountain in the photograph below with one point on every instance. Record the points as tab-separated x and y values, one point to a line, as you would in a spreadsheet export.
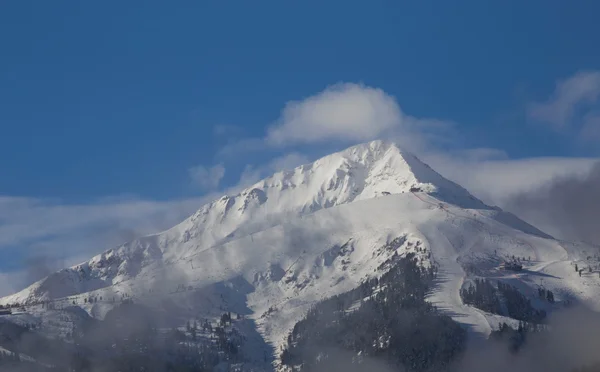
299	236
362	172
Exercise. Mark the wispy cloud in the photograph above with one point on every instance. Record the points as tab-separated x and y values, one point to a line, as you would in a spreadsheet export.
490	175
235	147
57	234
566	205
28	219
287	161
254	173
207	178
573	105
11	282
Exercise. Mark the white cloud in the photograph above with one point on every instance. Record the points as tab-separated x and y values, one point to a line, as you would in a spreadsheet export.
11	282
497	179
26	220
571	95
252	173
347	112
207	178
287	162
236	147
480	154
65	234
344	114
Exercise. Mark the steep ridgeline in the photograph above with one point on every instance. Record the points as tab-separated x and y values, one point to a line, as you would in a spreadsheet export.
279	247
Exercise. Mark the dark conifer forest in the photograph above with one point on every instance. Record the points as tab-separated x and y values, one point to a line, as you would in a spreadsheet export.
386	318
503	299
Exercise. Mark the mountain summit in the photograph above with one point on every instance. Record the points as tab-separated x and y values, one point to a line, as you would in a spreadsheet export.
360	172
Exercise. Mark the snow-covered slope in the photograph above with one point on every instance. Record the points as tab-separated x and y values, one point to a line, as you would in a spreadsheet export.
276	248
361	172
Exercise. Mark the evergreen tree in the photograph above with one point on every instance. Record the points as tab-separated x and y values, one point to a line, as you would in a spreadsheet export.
550	296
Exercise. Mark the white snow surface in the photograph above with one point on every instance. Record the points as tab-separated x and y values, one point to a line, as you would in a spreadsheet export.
290	240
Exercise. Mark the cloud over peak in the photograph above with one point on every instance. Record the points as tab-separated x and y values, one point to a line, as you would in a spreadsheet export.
345	111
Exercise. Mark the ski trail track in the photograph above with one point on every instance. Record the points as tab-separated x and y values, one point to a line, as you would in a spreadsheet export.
445	295
451	276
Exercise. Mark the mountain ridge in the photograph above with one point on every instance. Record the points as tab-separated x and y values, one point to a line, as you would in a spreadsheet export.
363	171
299	236
360	172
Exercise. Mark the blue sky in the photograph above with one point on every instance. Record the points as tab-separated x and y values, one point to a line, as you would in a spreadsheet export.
106	104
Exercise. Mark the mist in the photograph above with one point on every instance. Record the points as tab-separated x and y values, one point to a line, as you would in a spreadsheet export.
566	207
39	267
572	340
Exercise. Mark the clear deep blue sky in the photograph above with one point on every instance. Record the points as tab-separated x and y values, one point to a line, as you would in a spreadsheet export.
111	97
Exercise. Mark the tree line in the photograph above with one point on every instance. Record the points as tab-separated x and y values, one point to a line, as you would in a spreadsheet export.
385	318
504	299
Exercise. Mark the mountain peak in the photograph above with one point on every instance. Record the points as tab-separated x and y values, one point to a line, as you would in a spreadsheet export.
367	170
361	172
384	168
